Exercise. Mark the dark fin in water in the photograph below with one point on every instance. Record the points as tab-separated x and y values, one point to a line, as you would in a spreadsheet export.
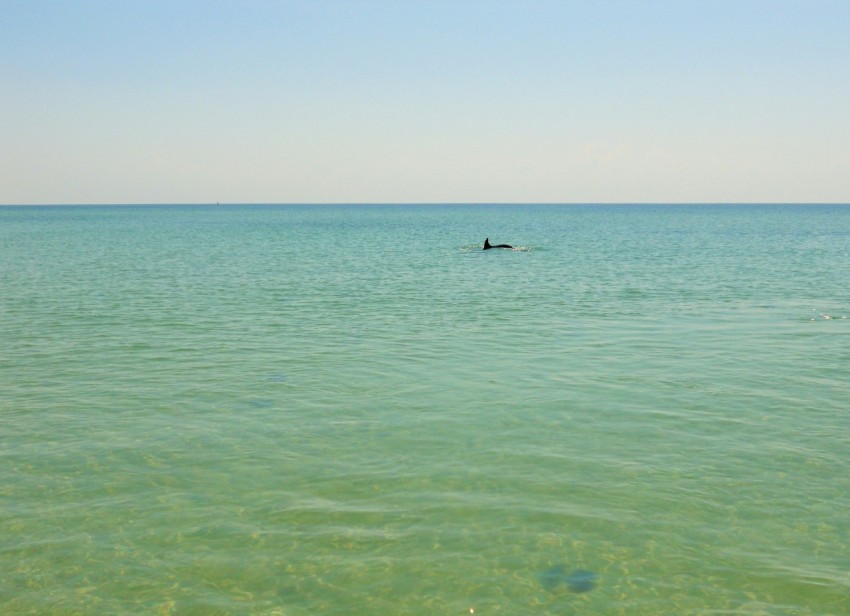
488	245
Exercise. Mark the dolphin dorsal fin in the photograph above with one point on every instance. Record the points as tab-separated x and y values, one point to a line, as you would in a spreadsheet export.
486	243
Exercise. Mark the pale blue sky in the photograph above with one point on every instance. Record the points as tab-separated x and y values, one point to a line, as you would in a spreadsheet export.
424	101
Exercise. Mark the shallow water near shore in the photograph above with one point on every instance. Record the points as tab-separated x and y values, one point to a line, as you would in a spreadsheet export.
356	410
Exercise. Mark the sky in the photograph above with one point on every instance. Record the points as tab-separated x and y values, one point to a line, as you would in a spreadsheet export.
414	101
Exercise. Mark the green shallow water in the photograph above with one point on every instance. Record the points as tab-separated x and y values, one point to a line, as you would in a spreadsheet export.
356	410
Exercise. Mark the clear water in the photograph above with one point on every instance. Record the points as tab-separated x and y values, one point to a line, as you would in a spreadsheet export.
355	410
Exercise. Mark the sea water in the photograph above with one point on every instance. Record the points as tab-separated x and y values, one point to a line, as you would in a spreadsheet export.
354	410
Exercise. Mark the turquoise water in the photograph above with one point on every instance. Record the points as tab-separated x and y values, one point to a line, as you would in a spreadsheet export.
355	410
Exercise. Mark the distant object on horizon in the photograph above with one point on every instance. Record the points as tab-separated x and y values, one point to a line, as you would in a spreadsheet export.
488	246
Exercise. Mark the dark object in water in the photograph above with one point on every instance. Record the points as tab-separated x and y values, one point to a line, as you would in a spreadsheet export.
488	246
577	581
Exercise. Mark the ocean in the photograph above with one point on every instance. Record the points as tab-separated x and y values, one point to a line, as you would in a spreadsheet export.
355	410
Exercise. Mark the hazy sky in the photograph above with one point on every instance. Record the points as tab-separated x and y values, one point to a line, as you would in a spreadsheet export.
148	101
